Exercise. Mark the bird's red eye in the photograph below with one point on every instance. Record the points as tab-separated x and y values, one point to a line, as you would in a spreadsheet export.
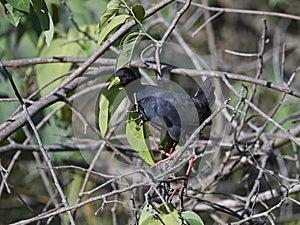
124	76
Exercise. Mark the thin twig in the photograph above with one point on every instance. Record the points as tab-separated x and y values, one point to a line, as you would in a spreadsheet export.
197	131
253	106
54	59
159	45
244	11
206	22
42	149
106	44
239	77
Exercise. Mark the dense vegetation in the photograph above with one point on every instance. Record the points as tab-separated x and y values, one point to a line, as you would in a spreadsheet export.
78	163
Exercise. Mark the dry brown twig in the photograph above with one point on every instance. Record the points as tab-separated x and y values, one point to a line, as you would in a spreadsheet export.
249	151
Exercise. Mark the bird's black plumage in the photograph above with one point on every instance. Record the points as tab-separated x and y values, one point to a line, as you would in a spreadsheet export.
177	112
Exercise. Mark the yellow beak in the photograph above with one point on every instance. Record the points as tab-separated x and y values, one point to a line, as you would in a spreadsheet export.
115	82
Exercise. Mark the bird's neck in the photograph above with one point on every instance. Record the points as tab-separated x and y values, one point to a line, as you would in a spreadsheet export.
132	89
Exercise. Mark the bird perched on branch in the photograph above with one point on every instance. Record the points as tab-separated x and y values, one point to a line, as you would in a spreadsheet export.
178	113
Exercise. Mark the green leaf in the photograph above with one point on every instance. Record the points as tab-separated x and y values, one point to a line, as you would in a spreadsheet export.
149	215
192	218
171	218
138	12
45	73
129	42
111	26
23	5
154	215
81	12
103	118
41	11
107	100
150	220
49	33
138	138
111	9
12	15
166	210
49	72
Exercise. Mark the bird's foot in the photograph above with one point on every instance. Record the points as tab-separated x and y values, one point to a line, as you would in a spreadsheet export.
162	151
138	127
177	189
140	124
169	157
183	183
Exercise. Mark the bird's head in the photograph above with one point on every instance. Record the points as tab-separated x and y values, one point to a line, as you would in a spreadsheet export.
123	77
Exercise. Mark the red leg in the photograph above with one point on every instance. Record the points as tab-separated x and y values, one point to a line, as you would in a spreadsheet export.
162	151
178	188
188	171
183	184
159	149
170	156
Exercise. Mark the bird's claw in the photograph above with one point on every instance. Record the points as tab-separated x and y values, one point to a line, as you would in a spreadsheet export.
138	127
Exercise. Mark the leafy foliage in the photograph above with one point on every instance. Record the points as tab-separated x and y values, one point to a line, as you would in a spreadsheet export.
106	108
113	24
112	18
257	169
139	138
127	48
61	47
22	5
16	9
168	216
13	15
112	9
110	21
138	11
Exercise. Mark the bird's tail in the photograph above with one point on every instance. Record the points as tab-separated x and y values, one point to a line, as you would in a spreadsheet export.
206	93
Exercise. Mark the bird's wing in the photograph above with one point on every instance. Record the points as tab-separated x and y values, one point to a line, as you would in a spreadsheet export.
161	113
182	102
174	111
204	99
205	93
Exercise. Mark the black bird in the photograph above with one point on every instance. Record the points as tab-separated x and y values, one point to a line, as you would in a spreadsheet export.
176	112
